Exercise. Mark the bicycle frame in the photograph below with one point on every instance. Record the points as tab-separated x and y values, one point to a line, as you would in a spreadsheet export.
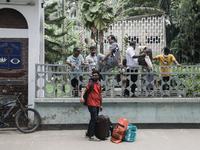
23	117
3	116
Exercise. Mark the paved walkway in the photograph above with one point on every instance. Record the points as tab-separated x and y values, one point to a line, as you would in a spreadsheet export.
147	139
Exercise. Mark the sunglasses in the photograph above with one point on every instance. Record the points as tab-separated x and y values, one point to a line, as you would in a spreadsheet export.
94	75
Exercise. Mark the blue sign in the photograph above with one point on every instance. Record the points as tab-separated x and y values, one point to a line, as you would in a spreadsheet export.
10	55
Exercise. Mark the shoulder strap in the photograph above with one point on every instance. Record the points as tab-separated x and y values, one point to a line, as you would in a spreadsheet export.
91	87
100	85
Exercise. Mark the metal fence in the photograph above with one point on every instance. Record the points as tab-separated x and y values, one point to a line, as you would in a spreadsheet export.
55	81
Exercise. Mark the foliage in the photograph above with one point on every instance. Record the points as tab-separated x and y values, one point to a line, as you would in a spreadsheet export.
97	16
125	41
49	89
186	45
141	7
53	35
52	47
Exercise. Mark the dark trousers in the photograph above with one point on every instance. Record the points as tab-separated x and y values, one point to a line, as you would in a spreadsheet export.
166	86
133	79
94	111
74	82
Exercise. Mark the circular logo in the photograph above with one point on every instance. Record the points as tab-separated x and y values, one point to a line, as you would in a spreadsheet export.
15	61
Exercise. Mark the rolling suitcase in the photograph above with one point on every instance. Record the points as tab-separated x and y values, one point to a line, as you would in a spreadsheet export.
102	127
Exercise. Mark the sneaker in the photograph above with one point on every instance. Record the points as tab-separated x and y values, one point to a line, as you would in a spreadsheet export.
93	138
86	135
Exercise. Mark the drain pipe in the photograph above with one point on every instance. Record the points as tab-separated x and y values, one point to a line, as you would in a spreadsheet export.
16	3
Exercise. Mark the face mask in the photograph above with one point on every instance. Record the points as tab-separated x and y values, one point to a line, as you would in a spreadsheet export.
165	55
94	79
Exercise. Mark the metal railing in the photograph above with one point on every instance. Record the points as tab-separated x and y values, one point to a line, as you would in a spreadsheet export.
55	81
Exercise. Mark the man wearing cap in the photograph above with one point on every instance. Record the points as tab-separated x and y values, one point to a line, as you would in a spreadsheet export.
75	61
132	61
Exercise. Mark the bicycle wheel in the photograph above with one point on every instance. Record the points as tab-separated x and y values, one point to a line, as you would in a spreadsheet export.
27	120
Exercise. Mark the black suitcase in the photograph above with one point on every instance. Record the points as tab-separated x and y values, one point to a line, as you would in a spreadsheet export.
102	127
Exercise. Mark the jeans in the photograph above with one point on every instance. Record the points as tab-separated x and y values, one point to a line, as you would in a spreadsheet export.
133	79
75	82
166	86
107	64
94	111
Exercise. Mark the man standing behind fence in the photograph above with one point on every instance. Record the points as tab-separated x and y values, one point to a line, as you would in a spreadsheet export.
112	58
166	60
91	59
132	61
75	61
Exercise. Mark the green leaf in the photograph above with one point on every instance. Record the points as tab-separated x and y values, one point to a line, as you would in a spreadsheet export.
86	6
88	17
94	8
105	16
88	25
99	23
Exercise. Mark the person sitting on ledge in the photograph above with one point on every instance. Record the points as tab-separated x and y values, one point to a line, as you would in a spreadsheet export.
112	58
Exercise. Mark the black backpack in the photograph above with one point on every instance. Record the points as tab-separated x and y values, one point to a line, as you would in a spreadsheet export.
141	60
87	92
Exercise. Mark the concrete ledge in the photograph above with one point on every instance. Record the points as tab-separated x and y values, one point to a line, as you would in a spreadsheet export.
68	111
121	100
139	126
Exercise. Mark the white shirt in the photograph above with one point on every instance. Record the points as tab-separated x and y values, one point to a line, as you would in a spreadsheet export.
90	60
130	52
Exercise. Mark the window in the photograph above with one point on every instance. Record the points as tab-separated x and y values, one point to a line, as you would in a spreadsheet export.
153	39
135	38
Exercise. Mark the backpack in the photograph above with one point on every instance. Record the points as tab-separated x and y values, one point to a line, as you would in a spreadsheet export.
115	55
120	130
141	60
87	92
131	133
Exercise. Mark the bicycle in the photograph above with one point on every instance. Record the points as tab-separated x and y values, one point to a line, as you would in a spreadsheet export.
27	119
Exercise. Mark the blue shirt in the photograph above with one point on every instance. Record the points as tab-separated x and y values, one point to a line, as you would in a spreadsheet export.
77	62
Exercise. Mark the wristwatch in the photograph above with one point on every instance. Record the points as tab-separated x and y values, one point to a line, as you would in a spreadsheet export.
102	60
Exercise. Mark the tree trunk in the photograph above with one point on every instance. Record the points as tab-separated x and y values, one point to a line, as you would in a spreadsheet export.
101	37
63	42
97	41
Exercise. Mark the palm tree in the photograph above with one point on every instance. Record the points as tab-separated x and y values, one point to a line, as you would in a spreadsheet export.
97	16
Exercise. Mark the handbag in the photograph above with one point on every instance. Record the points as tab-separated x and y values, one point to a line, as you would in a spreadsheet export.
149	63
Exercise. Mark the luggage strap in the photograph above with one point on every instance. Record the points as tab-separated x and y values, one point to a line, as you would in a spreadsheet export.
120	125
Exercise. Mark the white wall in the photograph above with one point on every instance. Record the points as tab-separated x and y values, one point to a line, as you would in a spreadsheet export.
35	33
142	27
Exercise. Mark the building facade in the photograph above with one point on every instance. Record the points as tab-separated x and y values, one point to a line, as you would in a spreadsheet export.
21	46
